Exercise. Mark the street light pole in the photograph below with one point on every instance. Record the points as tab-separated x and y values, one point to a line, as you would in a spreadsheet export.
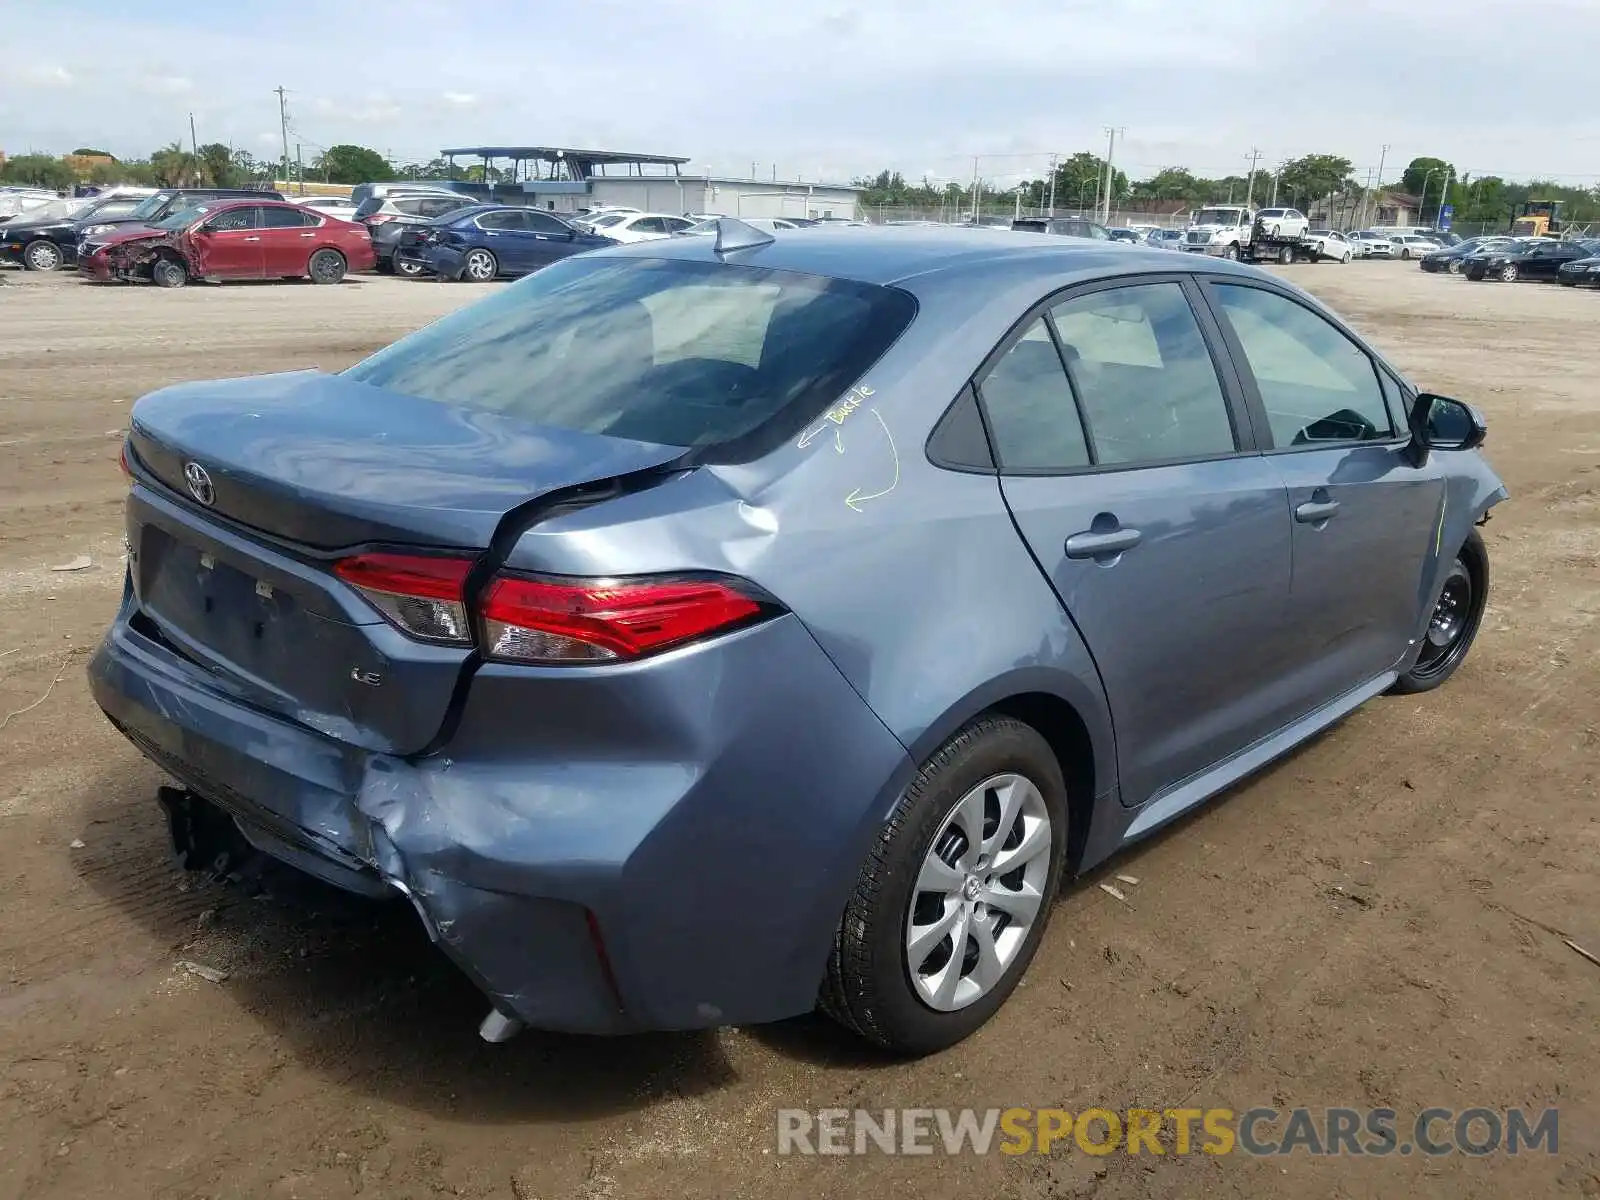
1052	185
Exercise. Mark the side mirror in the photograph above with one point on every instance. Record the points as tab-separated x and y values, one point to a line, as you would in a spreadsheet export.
1439	423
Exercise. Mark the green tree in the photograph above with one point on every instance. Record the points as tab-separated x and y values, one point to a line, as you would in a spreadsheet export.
215	163
173	166
1304	181
1424	172
350	164
38	170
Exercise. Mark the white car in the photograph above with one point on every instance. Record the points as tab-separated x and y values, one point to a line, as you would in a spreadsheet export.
1283	222
15	201
638	226
333	206
1371	244
1411	245
709	225
1330	243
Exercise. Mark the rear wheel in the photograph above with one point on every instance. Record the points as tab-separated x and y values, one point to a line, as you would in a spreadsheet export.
1286	255
480	266
168	273
407	267
41	256
1508	273
1453	625
952	902
326	266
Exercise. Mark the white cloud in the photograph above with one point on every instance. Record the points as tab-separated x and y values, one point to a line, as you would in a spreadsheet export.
167	85
845	88
44	75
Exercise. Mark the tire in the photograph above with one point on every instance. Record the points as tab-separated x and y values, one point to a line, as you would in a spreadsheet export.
1286	255
406	268
1232	252
1277	230
870	986
1405	253
1347	257
41	255
326	266
1508	273
1455	266
480	266
168	273
1454	622
1569	283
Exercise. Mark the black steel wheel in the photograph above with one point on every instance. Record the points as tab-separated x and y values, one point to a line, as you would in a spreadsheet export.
1453	623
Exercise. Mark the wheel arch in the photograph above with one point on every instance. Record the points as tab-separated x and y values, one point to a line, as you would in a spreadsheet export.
1070	715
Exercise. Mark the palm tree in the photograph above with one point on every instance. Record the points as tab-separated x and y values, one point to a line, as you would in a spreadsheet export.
173	166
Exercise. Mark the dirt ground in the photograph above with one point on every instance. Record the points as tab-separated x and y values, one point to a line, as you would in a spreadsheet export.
1376	921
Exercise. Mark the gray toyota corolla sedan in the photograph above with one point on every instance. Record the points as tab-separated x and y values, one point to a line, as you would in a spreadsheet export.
701	632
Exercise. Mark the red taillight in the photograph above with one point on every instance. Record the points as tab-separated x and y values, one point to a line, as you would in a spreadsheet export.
423	596
378	219
122	461
553	620
550	619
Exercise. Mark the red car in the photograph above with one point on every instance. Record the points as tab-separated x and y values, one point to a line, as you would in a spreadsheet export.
232	239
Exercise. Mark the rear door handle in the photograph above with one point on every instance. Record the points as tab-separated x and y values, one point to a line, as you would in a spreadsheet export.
1314	511
252	239
1102	545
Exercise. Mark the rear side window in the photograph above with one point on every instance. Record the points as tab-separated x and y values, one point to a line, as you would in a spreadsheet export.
437	206
287	218
1316	385
500	220
1143	375
731	359
411	207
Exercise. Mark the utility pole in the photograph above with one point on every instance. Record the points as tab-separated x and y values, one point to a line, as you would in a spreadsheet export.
1111	171
1383	154
299	169
1052	185
974	189
1361	211
1250	180
283	127
194	142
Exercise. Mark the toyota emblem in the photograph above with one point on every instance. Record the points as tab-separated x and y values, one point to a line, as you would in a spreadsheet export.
199	481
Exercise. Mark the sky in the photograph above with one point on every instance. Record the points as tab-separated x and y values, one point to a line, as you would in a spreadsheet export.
827	90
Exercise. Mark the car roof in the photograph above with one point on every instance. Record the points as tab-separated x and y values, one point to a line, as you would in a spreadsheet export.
891	255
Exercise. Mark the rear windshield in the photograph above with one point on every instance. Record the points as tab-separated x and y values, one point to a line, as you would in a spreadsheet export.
729	359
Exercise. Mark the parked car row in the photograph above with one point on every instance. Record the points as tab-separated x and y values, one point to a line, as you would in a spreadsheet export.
1538	258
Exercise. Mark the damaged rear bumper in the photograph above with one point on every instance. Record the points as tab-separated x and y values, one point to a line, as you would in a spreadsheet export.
691	876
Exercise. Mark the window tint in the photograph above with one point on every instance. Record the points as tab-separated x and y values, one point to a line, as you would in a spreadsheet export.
500	220
234	218
1031	413
286	218
680	353
1315	383
541	223
1143	375
674	224
411	208
648	225
437	206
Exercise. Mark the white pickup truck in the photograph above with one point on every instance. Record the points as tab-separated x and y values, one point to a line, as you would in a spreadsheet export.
1223	231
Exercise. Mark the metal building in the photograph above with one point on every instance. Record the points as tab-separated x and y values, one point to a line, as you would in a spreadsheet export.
563	179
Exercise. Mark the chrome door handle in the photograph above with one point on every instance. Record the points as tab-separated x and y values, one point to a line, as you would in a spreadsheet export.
1313	512
252	239
308	235
1102	545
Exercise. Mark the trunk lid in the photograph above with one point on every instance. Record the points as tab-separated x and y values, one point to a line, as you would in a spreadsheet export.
327	462
318	464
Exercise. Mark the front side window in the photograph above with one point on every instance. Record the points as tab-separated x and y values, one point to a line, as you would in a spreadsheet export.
234	219
541	223
1316	384
725	357
1143	375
